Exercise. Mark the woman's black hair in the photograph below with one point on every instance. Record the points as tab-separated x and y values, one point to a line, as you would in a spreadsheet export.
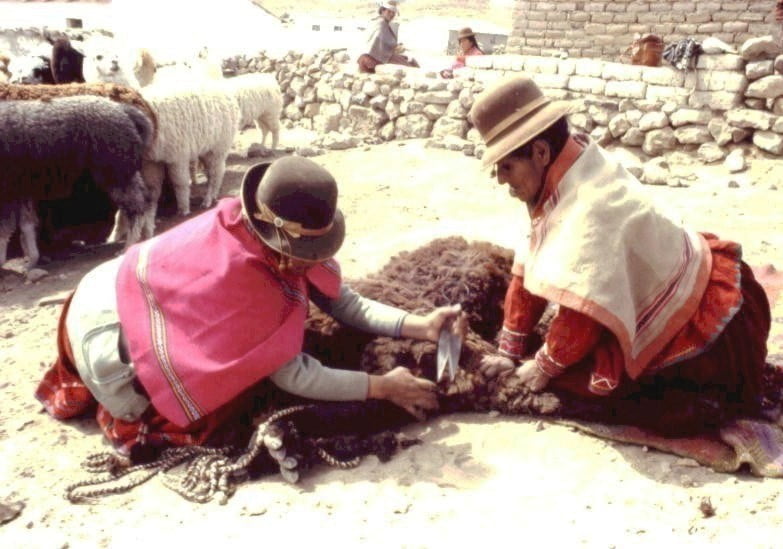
474	42
555	135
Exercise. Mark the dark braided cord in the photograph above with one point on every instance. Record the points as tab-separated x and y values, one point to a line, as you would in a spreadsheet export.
329	459
120	468
206	475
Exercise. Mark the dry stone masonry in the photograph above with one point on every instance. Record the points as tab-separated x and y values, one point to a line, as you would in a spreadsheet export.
728	99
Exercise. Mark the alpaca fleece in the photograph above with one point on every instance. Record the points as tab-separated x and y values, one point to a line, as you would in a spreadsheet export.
114	92
66	64
46	147
260	102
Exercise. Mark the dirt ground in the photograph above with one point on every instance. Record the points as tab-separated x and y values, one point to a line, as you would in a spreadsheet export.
476	478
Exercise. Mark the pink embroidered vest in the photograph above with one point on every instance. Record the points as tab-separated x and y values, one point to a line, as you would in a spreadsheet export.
206	315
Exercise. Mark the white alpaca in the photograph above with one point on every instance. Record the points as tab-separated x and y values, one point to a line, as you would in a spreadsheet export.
105	61
260	101
192	124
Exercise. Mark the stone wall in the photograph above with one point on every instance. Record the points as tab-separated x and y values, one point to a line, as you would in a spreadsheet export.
727	100
605	28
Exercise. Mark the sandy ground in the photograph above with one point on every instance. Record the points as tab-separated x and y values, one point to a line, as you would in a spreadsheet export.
476	479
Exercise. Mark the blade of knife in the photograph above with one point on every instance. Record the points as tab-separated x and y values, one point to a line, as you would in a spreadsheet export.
449	350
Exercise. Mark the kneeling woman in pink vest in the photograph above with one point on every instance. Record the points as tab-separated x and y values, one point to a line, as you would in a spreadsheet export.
168	337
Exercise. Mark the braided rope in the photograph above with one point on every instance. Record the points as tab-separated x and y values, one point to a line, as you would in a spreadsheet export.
118	468
208	475
208	471
329	459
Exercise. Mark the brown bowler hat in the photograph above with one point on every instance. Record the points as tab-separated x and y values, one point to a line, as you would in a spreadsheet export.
467	32
291	204
511	113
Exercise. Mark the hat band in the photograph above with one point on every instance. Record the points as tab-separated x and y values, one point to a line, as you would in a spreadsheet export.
516	116
293	228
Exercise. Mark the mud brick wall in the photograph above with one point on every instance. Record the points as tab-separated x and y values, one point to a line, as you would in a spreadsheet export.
605	28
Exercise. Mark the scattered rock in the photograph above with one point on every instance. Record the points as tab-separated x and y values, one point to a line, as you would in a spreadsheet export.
256	150
735	161
34	275
711	152
636	171
309	151
338	141
10	511
733	184
656	172
707	508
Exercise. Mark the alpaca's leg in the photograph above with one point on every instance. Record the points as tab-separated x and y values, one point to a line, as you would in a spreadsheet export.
154	173
216	168
28	221
120	229
9	214
180	178
270	124
261	125
134	229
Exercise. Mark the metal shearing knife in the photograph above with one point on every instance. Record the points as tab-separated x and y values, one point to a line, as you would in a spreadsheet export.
449	349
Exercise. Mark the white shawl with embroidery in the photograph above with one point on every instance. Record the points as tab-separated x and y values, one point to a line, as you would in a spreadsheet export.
601	247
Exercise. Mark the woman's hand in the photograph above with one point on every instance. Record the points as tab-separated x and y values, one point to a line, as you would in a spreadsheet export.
493	365
428	327
416	395
532	376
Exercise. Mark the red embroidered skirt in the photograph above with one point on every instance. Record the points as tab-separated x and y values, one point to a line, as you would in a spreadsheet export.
698	393
64	396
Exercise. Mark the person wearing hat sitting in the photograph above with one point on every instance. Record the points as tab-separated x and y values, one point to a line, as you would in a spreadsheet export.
382	46
167	337
656	325
467	45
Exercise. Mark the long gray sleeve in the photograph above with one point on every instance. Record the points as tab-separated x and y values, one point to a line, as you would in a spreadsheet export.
362	313
307	377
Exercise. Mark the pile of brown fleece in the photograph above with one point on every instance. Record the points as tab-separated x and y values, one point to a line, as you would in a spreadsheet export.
445	271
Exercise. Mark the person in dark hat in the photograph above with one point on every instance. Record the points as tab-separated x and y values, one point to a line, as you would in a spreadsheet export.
467	46
382	45
166	337
656	325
